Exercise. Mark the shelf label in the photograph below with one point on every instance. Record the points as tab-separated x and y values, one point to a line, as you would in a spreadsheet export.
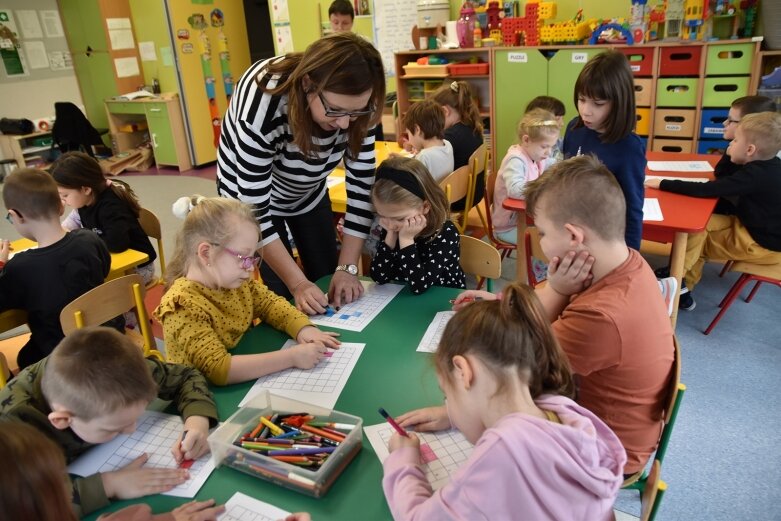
579	57
635	68
517	57
672	128
713	130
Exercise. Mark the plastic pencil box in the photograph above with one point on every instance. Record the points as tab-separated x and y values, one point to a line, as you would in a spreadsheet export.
311	482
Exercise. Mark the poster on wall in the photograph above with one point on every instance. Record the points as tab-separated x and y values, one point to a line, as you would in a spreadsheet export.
279	11
35	52
52	26
29	24
393	21
284	38
60	60
10	51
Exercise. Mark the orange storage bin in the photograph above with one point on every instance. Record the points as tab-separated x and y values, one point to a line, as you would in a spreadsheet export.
680	61
467	69
643	121
672	145
674	123
643	88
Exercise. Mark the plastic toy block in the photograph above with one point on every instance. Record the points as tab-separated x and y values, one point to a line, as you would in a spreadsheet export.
547	10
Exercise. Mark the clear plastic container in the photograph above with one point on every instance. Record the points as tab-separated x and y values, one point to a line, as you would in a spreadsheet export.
311	482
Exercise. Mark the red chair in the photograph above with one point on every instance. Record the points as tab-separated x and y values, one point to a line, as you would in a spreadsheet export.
770	273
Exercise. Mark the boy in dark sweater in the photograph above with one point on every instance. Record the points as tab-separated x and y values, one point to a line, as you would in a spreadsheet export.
65	265
753	233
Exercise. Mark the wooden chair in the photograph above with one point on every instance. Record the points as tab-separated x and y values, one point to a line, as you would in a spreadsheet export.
456	186
652	494
3	370
477	162
675	394
770	273
533	250
151	226
504	247
107	301
480	259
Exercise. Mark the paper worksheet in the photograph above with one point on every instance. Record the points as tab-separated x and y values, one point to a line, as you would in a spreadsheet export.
241	507
155	434
651	210
356	315
442	453
680	166
673	178
430	340
320	385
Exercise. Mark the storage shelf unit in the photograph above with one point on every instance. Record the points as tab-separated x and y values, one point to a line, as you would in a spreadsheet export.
26	148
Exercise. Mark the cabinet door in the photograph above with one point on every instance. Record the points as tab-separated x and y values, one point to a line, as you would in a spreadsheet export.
160	133
520	76
563	70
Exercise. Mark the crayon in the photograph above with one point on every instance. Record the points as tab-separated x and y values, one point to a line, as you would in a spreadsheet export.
275	430
301	452
320	432
333	425
470	299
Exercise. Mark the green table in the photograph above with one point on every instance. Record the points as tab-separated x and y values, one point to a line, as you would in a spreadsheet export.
389	373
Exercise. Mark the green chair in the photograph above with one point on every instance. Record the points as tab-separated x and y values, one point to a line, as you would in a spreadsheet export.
653	492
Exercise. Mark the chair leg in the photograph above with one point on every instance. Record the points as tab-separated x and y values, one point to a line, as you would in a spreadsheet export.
726	268
482	217
753	291
728	300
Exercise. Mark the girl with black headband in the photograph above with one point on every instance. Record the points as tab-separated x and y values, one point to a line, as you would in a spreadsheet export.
419	244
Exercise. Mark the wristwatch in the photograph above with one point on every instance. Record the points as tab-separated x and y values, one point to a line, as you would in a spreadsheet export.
352	269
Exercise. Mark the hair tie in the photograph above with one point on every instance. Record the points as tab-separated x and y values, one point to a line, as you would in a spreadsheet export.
402	178
108	182
185	205
454	86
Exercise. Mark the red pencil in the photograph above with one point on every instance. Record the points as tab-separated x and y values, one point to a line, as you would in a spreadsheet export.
392	422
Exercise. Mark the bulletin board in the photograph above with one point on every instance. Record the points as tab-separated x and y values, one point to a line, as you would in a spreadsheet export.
32	41
393	21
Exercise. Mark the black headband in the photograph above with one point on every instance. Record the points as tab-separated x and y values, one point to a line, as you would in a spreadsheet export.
402	178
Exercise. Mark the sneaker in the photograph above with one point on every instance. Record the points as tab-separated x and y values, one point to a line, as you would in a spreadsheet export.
686	302
662	273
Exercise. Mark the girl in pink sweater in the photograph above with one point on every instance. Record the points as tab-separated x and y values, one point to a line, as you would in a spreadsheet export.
507	384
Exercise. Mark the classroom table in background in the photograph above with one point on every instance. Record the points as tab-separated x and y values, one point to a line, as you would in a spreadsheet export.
389	374
682	215
337	190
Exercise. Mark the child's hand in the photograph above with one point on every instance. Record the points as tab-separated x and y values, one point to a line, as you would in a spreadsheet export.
652	183
398	441
570	274
469	296
314	335
306	356
426	419
298	516
194	444
5	249
411	228
133	480
198	511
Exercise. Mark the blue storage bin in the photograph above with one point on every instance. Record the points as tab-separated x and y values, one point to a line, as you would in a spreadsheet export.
712	123
712	146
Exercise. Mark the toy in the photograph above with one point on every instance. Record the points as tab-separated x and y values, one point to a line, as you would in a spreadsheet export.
493	13
526	29
693	19
673	19
466	26
572	31
656	19
638	20
611	32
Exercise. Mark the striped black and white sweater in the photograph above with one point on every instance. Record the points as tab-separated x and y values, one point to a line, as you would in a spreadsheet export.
259	164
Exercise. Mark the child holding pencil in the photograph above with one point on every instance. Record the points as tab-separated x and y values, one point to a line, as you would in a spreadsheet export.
508	387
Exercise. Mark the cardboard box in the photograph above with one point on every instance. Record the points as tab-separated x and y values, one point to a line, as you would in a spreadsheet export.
124	141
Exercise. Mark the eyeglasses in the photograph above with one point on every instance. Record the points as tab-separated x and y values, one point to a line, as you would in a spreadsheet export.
247	261
9	217
331	113
729	121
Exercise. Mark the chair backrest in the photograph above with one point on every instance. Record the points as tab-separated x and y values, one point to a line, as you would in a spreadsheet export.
675	394
480	259
151	226
651	496
457	186
477	163
3	370
107	301
72	130
488	201
12	318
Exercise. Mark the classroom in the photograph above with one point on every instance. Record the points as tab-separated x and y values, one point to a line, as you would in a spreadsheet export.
283	203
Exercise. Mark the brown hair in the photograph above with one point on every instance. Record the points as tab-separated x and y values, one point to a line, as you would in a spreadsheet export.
342	63
341	7
538	123
213	220
763	130
512	333
428	116
76	169
32	193
751	104
96	371
461	96
386	191
608	76
34	480
549	103
584	192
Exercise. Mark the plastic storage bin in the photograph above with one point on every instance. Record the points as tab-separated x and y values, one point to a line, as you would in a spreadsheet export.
433	71
680	61
643	121
674	123
643	91
712	146
314	483
729	59
676	92
641	59
467	69
721	92
672	145
712	123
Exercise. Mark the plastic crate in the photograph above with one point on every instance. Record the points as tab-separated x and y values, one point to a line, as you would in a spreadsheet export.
643	121
672	145
413	70
641	59
712	146
680	61
729	59
676	92
643	91
674	122
721	92
712	123
467	69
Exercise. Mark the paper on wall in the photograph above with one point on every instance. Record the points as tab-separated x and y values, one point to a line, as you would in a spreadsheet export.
118	23
60	60
121	39
36	54
147	51
167	56
29	24
126	67
52	26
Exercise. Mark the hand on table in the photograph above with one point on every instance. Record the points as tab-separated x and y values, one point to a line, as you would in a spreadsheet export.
570	274
652	183
198	511
194	444
469	296
298	516
344	288
306	356
315	335
425	419
309	298
134	480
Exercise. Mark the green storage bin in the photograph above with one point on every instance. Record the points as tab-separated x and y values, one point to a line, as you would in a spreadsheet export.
676	92
722	91
729	59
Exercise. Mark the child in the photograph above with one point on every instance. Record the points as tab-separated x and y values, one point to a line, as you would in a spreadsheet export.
418	245
753	233
35	469
605	97
425	125
538	132
43	280
109	208
211	299
94	386
622	358
507	385
555	107
341	15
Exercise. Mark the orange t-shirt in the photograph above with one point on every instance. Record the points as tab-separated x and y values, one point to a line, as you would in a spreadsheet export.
619	342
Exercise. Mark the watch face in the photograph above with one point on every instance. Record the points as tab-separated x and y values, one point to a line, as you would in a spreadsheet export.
352	269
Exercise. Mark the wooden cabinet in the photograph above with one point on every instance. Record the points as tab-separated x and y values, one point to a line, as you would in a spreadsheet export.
28	148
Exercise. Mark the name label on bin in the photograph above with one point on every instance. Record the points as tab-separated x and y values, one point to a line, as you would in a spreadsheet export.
517	57
713	130
579	57
674	128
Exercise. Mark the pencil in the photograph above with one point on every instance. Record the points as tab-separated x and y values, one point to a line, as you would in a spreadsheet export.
393	423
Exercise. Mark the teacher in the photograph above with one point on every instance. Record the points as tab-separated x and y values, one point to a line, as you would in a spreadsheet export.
292	119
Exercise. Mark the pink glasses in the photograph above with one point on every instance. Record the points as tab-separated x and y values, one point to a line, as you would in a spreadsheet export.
247	261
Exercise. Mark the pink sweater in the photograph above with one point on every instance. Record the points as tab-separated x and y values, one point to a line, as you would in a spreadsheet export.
516	170
522	468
